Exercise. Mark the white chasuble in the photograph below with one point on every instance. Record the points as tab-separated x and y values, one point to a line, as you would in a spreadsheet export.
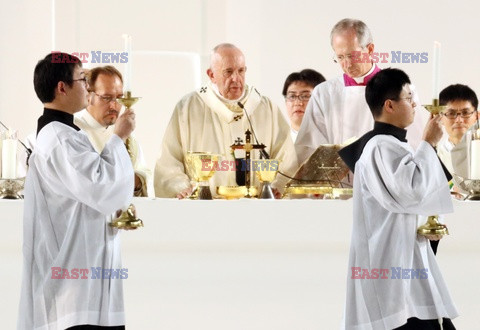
201	122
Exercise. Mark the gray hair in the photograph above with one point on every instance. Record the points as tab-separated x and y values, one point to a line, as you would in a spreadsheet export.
361	29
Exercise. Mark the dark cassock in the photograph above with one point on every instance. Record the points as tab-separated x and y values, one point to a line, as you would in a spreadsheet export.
72	266
393	275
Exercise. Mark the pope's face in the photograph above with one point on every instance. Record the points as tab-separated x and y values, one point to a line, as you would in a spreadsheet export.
103	106
344	44
457	127
227	72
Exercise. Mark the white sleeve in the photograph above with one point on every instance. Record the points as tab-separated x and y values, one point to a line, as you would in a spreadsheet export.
403	182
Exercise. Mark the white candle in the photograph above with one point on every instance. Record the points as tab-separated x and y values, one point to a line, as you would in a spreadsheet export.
475	160
127	74
9	159
436	68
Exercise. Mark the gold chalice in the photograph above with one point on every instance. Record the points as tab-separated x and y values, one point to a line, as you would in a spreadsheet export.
201	167
266	171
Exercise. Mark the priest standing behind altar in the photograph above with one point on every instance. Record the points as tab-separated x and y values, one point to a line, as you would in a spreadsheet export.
337	110
297	90
461	113
105	84
72	273
394	281
211	120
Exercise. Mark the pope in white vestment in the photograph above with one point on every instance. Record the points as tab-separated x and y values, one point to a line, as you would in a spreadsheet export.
210	120
100	135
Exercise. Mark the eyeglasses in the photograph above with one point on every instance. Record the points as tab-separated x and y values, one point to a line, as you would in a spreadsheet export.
81	79
106	98
454	114
301	97
348	57
409	99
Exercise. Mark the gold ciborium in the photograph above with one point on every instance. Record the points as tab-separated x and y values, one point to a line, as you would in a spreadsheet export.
201	167
128	219
432	226
266	171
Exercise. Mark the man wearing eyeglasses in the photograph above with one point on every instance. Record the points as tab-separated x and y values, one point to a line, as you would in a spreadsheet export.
71	195
461	113
297	90
211	120
337	110
105	85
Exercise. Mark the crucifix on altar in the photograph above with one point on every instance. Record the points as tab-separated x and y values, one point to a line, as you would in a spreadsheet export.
248	147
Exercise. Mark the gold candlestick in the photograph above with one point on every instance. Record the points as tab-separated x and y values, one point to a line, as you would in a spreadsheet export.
432	226
128	219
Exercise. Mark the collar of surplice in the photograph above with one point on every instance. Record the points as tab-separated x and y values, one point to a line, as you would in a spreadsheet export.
230	111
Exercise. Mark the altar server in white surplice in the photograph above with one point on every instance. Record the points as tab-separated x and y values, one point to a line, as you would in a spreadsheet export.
105	84
72	273
394	281
337	110
211	120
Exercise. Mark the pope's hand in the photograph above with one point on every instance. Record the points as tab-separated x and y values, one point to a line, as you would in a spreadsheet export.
434	237
125	124
185	193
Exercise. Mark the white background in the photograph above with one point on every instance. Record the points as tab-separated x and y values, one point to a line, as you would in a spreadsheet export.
277	37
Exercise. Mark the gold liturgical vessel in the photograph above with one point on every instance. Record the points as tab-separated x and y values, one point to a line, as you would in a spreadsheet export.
432	226
128	219
201	167
266	171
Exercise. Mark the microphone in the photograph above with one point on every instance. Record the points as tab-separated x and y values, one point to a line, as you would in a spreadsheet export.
263	153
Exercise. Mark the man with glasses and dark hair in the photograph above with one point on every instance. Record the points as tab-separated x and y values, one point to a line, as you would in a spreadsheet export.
461	113
213	118
105	85
71	254
297	90
394	281
337	110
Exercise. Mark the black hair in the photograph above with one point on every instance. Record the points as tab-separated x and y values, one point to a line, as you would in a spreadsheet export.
308	76
385	85
55	67
458	92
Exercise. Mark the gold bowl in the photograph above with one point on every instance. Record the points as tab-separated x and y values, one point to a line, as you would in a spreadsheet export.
236	192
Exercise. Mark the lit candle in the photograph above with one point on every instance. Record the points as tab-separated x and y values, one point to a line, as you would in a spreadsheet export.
9	158
127	74
436	68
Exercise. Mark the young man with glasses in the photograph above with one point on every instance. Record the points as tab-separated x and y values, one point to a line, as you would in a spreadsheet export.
297	90
394	281
337	110
461	113
105	85
71	194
